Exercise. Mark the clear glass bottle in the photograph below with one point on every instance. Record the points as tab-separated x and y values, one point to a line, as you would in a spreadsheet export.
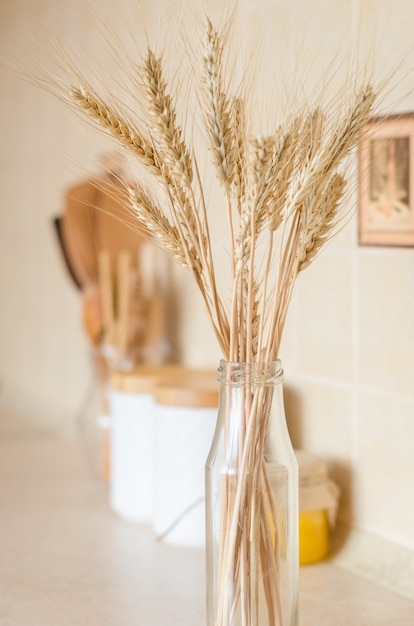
252	503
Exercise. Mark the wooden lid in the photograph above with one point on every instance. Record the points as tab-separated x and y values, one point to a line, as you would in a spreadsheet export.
188	388
312	469
142	378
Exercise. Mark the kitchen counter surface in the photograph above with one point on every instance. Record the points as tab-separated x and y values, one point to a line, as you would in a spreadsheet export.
67	560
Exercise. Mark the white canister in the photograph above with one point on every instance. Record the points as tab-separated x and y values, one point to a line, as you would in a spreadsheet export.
131	487
185	419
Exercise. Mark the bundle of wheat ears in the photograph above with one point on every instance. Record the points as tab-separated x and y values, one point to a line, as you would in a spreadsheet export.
282	194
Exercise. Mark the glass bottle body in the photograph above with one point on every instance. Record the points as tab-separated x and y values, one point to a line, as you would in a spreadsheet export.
252	503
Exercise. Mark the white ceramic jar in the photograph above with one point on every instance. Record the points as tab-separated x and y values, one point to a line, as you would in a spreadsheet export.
185	419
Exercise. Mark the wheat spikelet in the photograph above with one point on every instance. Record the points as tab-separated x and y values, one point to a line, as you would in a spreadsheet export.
252	215
170	236
313	133
273	159
295	159
174	157
112	121
320	217
312	173
243	241
277	177
349	128
309	136
239	151
157	223
262	150
163	115
217	106
253	316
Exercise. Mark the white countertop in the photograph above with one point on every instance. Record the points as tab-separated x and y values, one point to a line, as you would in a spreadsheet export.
67	560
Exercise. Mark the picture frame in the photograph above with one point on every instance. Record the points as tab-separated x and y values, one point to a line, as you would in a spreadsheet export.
386	181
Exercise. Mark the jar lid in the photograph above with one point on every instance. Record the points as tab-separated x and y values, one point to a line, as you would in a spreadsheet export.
312	469
142	378
188	388
316	490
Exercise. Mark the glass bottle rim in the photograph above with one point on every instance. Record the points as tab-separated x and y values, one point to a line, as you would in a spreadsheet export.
239	373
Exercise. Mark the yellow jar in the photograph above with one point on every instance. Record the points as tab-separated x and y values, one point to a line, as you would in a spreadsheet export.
318	499
313	536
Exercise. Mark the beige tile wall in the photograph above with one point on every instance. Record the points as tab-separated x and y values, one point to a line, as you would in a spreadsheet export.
349	340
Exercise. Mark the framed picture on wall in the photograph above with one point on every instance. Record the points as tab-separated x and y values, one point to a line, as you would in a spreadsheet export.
386	181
